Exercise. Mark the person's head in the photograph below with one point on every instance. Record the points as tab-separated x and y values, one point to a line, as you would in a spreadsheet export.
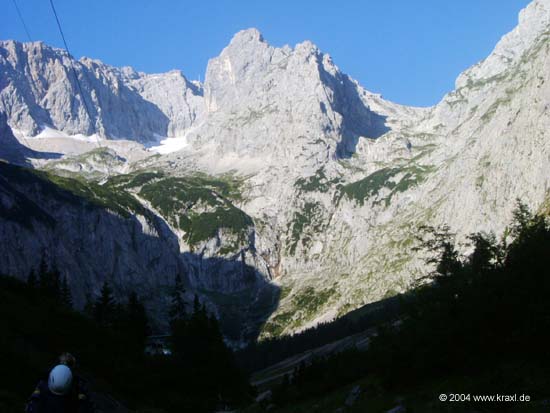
60	380
68	360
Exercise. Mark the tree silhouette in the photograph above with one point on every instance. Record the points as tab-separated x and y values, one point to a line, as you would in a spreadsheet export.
66	297
485	255
177	304
104	308
49	279
439	244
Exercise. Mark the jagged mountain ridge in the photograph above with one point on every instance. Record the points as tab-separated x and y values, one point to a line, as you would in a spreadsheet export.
325	173
38	90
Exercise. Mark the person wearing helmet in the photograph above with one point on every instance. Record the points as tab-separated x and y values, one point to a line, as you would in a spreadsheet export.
62	392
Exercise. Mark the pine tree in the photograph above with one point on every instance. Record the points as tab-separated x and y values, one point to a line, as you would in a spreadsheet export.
43	275
522	218
177	304
49	279
104	308
66	297
449	264
485	255
438	242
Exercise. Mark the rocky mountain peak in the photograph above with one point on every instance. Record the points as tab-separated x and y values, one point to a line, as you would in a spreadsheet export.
297	94
246	54
247	37
534	20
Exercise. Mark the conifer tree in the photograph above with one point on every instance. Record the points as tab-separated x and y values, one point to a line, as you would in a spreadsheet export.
486	252
104	308
438	242
43	275
66	296
49	279
177	304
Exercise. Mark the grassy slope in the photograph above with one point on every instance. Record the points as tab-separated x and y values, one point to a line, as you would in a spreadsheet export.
199	205
394	180
74	191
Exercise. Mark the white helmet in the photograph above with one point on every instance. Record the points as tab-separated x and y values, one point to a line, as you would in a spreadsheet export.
60	380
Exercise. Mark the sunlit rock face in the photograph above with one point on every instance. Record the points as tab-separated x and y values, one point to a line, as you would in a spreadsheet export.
287	192
38	89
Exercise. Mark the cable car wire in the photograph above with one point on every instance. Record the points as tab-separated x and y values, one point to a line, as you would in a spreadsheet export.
73	69
22	20
86	107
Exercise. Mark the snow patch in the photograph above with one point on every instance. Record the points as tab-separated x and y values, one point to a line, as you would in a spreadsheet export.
169	145
48	133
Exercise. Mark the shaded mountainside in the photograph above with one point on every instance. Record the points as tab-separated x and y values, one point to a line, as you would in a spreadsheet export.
102	232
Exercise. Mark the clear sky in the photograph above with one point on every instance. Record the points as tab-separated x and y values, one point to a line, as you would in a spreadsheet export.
410	51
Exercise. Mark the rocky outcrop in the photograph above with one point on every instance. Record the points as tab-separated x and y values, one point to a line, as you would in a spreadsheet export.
38	89
273	101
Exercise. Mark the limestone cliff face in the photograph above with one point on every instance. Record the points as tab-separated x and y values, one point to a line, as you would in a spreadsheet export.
273	101
98	233
471	156
291	176
38	90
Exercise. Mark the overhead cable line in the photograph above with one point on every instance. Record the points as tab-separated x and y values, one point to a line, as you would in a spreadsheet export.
86	107
22	20
72	67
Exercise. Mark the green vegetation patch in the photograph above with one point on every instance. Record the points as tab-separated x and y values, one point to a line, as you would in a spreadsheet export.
304	223
113	199
225	185
393	179
198	206
316	183
76	191
544	209
305	305
310	301
276	326
134	180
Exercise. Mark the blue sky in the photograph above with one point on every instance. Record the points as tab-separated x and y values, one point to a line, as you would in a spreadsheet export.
409	51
